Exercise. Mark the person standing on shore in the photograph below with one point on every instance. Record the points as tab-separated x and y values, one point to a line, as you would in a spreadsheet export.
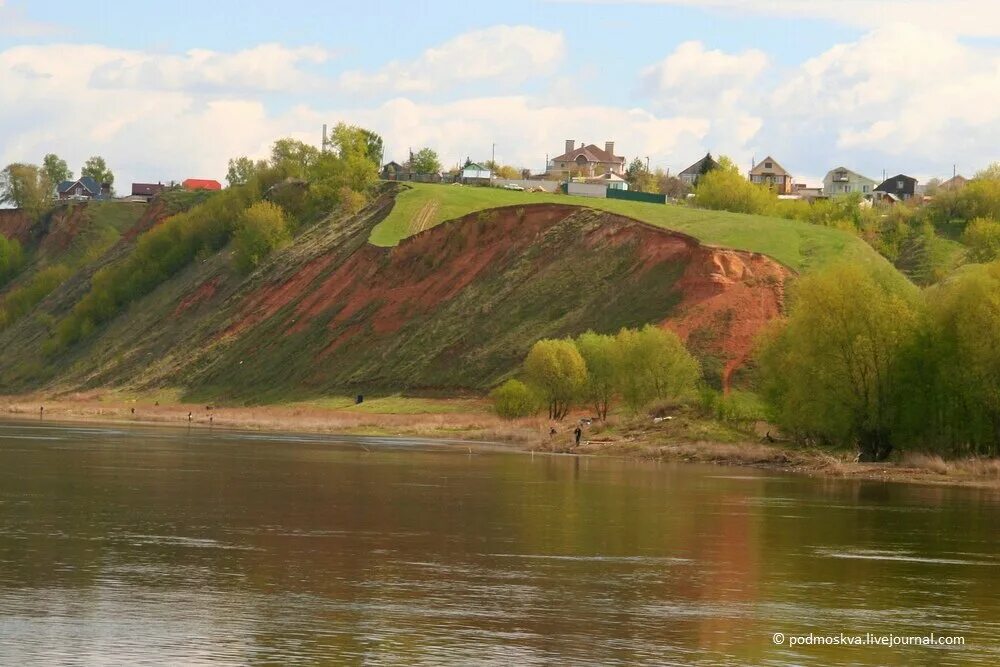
577	434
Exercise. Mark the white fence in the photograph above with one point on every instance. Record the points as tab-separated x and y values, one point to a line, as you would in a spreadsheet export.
588	190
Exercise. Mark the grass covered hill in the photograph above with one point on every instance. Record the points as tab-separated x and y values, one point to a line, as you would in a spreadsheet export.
799	245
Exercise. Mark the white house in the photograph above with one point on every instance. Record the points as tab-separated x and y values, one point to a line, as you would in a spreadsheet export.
473	170
843	181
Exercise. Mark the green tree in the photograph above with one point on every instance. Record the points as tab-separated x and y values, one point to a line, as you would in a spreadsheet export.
514	399
97	169
831	371
293	157
263	228
983	238
242	169
958	389
425	161
558	372
726	189
26	187
56	170
654	365
601	354
374	147
990	173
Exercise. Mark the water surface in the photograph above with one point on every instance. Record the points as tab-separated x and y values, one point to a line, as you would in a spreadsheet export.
147	546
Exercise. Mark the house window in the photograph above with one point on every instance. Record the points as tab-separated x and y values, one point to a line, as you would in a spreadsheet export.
768	165
864	188
899	185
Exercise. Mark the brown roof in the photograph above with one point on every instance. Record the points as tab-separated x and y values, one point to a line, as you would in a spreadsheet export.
591	152
146	189
775	168
955	182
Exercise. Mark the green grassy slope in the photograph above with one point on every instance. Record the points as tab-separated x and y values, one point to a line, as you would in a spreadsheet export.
798	245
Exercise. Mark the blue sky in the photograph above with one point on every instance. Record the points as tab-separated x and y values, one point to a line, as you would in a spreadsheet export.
170	90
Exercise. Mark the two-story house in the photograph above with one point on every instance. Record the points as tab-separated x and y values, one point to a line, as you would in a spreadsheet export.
589	160
843	181
771	174
900	187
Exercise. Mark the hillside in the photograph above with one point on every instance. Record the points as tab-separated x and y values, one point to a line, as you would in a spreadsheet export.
452	308
798	245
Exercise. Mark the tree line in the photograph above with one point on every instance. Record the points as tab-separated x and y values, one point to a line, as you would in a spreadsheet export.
267	203
867	359
32	187
634	366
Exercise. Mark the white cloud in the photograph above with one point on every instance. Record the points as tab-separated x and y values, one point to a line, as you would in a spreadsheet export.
903	91
693	77
976	18
501	54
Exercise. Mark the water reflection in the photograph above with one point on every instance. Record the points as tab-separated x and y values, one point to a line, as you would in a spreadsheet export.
153	546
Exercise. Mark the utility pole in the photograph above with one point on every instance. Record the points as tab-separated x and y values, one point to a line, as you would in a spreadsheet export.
647	164
494	161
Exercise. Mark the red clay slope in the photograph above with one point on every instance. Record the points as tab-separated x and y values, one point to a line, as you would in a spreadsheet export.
725	296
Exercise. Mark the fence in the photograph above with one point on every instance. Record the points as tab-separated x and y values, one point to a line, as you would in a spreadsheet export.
648	197
587	190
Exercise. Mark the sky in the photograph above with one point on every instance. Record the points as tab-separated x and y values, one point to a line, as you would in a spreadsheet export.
168	91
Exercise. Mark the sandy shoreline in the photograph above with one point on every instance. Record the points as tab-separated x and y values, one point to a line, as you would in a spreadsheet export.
475	426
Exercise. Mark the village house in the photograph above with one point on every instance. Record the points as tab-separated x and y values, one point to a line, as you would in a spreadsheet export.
692	174
474	172
146	191
771	174
843	181
610	180
900	187
201	184
84	187
393	171
587	161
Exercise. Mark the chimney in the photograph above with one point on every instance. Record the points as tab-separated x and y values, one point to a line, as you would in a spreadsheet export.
569	145
609	146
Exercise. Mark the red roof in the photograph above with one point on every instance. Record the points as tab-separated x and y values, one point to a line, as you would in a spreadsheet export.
201	184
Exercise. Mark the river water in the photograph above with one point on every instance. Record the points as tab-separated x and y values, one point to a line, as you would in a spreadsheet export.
139	545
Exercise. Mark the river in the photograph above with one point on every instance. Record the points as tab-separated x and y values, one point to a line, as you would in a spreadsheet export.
152	545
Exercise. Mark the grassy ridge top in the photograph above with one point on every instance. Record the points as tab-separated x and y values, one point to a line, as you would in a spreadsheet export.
799	245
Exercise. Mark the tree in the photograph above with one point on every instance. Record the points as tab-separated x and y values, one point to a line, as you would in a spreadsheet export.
990	173
671	186
831	371
558	372
242	169
293	157
97	169
344	174
425	161
958	364
374	147
932	187
26	187
262	229
983	238
727	190
514	399
602	357
56	169
654	365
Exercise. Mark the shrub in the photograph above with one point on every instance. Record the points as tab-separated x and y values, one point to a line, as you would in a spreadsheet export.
514	399
22	299
983	238
11	258
263	228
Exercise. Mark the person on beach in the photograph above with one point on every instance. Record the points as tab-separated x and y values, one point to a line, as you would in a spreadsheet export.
577	434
